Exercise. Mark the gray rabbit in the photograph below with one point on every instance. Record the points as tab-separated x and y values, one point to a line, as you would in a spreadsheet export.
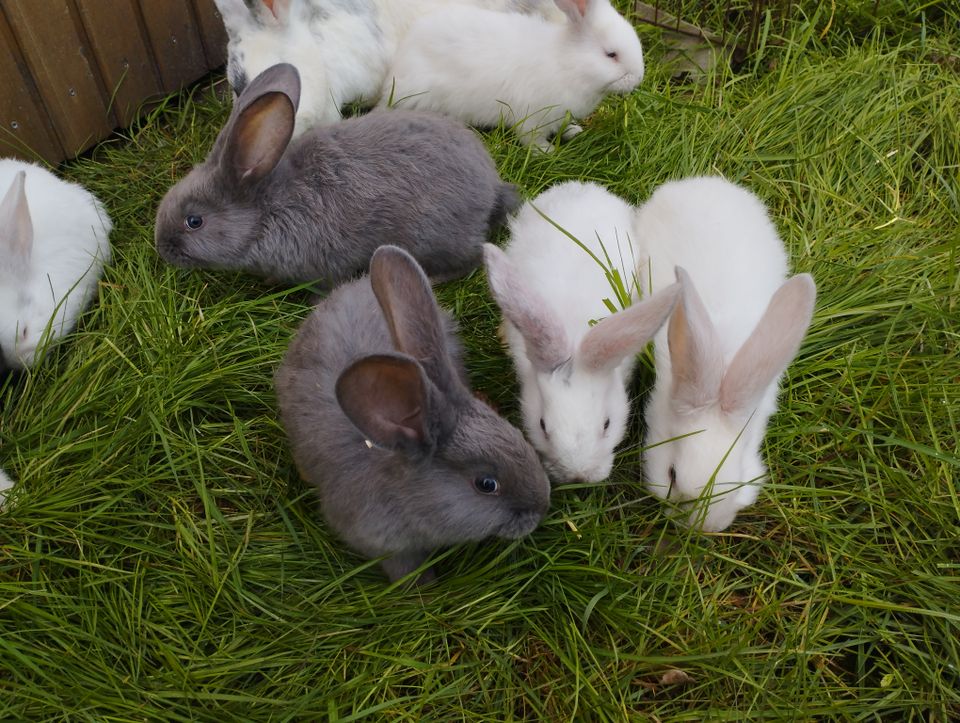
374	398
317	208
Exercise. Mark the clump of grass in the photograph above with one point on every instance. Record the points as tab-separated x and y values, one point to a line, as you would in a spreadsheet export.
161	559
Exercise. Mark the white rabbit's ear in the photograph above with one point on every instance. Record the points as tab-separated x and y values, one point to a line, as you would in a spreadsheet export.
625	333
542	332
16	228
573	9
771	346
695	360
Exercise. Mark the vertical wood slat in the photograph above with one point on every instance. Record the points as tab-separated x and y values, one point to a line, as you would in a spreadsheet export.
214	34
61	65
26	130
175	40
122	54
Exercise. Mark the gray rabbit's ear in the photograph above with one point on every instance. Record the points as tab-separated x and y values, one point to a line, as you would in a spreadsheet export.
695	360
410	309
280	78
387	397
573	9
625	333
543	334
260	126
16	227
771	346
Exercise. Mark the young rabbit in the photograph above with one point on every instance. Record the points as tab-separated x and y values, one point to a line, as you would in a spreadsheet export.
480	65
374	399
719	360
573	376
5	484
342	49
54	241
316	209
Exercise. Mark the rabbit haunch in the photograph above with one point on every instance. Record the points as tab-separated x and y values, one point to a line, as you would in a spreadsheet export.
573	376
719	359
317	210
480	66
374	399
54	241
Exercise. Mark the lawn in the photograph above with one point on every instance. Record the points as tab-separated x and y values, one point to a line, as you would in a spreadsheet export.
160	559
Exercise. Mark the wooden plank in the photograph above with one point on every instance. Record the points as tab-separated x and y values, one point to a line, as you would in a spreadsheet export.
175	41
59	61
214	34
122	53
25	128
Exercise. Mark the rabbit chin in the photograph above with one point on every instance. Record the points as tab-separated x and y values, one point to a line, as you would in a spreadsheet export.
520	524
710	451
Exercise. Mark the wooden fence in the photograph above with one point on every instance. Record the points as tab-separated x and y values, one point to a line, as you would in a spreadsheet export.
71	71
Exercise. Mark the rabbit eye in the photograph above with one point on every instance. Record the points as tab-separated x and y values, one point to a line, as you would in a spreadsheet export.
23	334
487	485
606	425
543	426
612	54
193	222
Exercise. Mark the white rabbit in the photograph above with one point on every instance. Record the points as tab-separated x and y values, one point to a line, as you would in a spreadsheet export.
719	359
5	484
53	244
573	376
342	49
479	65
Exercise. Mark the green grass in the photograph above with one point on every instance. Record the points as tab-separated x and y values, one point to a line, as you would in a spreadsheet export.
161	560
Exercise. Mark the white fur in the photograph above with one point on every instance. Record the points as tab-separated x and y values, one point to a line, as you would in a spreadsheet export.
5	484
721	235
45	289
564	290
342	53
479	65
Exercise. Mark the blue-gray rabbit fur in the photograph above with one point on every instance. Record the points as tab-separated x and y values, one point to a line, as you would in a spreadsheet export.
315	209
374	398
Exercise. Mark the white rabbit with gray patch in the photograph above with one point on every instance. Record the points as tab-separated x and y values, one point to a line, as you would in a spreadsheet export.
479	66
342	48
573	376
719	359
54	241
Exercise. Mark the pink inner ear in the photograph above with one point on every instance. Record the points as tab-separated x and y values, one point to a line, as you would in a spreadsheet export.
16	227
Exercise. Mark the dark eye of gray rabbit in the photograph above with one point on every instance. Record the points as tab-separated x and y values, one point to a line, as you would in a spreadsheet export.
193	222
486	485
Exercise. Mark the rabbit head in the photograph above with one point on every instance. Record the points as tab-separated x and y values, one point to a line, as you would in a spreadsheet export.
576	409
706	423
210	218
613	56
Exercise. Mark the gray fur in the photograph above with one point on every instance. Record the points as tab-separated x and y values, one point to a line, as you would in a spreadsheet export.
407	500
414	180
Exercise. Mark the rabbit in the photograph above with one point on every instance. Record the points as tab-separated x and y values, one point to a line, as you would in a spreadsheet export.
573	377
374	399
342	49
54	242
316	209
719	359
479	66
5	484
